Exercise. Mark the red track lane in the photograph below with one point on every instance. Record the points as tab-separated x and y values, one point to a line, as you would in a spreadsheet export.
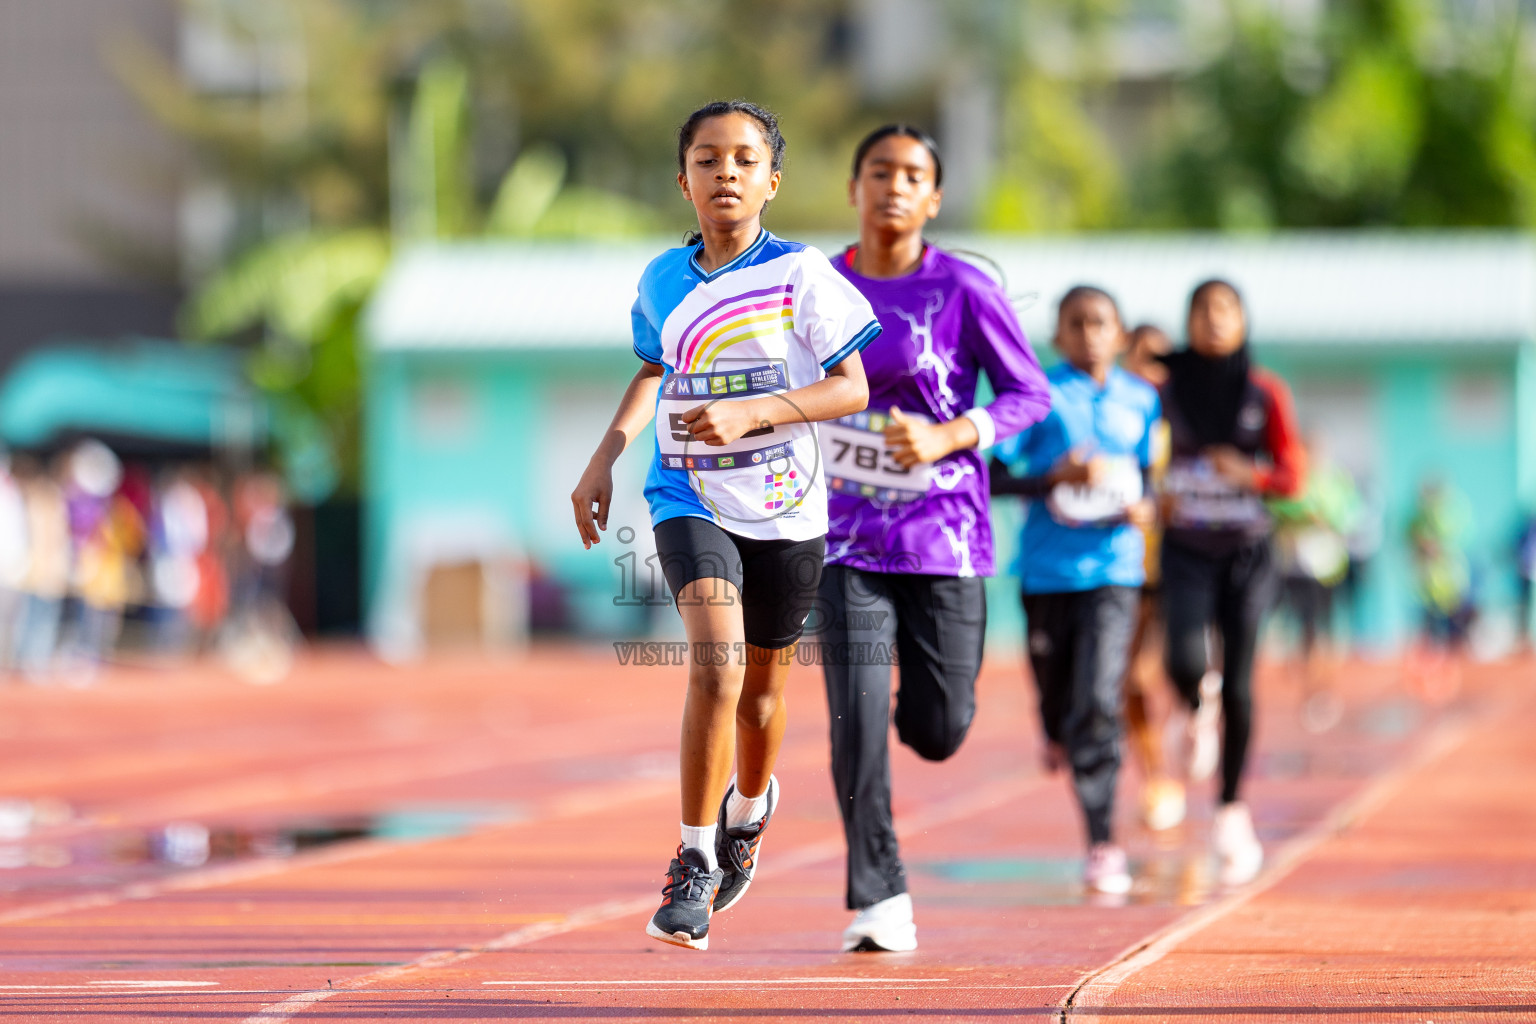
569	763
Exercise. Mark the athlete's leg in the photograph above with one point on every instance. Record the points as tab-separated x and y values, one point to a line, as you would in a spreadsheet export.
1105	617
715	676
1145	665
857	626
1189	605
780	585
1050	620
1247	592
943	627
704	572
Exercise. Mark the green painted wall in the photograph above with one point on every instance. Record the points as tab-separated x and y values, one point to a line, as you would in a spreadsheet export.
1445	413
504	435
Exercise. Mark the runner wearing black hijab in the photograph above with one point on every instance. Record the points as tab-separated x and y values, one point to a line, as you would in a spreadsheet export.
1233	442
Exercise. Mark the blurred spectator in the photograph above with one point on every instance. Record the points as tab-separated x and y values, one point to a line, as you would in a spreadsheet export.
210	602
1525	571
178	537
107	535
260	638
1311	547
46	580
88	539
13	557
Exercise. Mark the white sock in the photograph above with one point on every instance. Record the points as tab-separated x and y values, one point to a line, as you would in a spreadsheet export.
702	837
744	810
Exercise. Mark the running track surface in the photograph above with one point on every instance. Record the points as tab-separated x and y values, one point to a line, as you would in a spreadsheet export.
1402	883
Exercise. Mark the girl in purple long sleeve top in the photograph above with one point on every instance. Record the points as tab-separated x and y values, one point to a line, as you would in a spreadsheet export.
944	324
910	534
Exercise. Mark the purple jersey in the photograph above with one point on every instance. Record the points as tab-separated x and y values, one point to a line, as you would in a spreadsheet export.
944	324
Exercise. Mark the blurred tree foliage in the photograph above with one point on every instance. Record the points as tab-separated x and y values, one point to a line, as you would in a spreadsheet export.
1412	113
353	127
361	125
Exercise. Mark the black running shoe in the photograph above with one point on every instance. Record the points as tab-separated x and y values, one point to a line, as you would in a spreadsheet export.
683	919
736	848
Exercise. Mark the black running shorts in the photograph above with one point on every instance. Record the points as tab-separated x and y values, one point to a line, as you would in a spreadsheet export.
777	579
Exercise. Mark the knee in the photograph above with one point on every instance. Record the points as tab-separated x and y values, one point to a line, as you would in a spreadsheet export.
755	711
938	738
715	684
1185	661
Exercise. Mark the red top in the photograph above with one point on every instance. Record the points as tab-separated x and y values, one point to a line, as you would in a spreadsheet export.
1287	474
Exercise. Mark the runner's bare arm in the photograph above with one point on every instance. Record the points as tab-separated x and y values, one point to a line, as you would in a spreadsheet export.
842	391
596	486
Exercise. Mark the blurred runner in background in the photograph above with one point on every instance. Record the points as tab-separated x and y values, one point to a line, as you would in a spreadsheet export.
1525	571
1146	687
1087	470
1312	551
1233	443
1443	573
910	533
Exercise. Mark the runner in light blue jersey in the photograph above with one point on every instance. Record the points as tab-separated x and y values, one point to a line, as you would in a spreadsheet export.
1086	469
745	341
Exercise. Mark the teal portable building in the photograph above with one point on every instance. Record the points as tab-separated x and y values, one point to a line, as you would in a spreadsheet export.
493	370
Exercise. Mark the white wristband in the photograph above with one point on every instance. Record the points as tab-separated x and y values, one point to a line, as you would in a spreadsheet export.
986	430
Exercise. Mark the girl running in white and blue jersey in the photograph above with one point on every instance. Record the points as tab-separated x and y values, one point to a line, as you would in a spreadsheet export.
745	342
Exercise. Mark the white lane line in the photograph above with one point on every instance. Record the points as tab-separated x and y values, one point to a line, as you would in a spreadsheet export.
1092	993
102	986
973	802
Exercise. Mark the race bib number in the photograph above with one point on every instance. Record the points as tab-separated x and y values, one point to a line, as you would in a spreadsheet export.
1081	505
856	461
680	392
1203	500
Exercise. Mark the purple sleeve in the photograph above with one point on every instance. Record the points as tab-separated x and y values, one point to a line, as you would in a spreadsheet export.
993	334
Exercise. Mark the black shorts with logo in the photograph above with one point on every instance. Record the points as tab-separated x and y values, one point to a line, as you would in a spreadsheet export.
777	579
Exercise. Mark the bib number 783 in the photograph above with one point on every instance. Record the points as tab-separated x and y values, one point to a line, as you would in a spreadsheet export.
866	457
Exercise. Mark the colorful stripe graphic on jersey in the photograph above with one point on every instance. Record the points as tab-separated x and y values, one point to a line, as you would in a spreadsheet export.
772	320
732	321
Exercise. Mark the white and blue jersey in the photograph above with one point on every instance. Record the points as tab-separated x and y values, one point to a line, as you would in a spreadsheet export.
1077	538
775	318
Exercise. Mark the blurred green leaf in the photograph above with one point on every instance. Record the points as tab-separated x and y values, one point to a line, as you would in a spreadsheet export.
531	185
294	284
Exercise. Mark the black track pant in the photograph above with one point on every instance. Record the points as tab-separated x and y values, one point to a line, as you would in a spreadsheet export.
1078	646
1233	592
936	625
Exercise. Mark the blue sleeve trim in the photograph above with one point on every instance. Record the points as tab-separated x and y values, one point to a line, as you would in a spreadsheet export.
646	358
859	341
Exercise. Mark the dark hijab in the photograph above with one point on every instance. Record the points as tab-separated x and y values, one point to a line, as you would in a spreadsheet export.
1209	390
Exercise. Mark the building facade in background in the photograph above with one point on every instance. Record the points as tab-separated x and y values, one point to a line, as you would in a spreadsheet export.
493	371
90	188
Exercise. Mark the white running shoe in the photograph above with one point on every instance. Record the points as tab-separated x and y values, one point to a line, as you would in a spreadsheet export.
1204	741
1238	853
1106	871
884	927
1162	804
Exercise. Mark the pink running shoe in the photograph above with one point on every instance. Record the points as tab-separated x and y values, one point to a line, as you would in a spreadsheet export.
1106	870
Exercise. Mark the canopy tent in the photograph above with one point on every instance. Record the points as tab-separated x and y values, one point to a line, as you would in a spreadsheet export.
149	397
147	391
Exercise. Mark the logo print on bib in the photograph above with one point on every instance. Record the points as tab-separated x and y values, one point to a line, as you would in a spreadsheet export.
779	487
